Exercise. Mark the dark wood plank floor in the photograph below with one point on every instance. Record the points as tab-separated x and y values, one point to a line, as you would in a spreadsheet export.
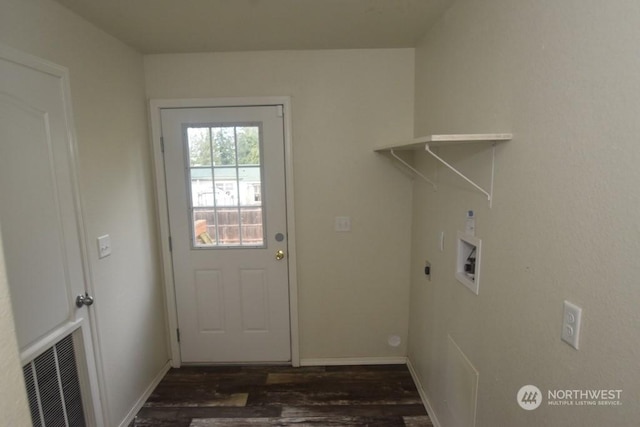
239	396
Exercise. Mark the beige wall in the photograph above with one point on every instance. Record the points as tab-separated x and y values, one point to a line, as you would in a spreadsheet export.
353	287
107	89
13	399
563	77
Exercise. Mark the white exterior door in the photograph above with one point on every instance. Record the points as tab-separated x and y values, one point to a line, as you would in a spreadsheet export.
41	233
225	182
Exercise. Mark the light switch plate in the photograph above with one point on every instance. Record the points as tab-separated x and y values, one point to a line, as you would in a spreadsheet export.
572	317
104	246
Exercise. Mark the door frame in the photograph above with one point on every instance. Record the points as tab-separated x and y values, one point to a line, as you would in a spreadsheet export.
156	107
89	355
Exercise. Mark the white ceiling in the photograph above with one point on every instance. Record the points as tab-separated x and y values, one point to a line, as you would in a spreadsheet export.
172	26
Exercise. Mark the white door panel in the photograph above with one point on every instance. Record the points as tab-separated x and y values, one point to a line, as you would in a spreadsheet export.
26	222
40	213
225	181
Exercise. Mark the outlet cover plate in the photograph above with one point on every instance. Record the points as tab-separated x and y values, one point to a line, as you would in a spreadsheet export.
342	224
571	320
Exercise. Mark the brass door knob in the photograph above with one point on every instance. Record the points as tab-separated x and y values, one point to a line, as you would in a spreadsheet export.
279	255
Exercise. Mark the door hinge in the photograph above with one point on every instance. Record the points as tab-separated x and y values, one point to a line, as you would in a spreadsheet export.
170	245
178	333
162	144
280	112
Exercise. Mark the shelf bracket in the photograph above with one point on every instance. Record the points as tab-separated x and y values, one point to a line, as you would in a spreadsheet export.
412	169
461	175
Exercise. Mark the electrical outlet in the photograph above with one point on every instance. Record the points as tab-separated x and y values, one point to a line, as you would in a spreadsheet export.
427	270
571	319
342	223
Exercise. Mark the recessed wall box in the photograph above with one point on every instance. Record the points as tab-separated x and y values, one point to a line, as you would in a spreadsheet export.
468	261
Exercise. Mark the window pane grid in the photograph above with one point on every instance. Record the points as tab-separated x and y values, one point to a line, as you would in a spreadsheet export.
226	186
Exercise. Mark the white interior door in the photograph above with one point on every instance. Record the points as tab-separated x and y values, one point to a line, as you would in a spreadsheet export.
41	223
225	181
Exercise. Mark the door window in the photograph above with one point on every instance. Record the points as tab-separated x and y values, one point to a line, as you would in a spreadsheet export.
226	192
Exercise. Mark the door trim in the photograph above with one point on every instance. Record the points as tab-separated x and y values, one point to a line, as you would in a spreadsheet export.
156	105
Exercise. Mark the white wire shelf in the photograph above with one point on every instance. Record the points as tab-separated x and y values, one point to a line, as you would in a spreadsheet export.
427	142
440	140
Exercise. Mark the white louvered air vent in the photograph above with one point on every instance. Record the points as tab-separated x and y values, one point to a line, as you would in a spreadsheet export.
53	387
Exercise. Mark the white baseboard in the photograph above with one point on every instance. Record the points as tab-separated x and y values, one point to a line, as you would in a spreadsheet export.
132	413
337	361
423	395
